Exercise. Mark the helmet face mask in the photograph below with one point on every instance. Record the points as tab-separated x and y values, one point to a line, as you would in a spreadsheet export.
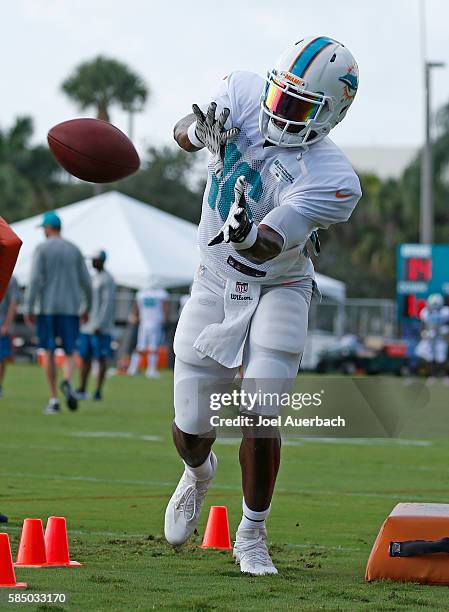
308	92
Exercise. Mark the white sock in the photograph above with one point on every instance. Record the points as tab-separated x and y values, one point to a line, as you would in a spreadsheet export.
252	519
53	400
152	361
134	364
203	471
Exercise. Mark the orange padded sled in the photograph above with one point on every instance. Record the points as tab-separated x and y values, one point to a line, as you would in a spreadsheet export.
411	522
9	250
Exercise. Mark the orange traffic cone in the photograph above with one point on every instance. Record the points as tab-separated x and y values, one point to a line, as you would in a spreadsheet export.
7	575
56	543
217	529
31	551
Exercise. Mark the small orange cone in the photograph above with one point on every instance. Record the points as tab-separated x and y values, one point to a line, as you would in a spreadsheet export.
217	529
7	575
56	543
31	551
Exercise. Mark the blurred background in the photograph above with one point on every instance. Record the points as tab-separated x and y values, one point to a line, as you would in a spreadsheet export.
141	64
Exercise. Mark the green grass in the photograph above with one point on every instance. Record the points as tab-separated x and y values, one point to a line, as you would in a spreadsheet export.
330	502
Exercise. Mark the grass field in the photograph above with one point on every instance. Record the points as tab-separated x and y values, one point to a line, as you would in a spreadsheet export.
111	467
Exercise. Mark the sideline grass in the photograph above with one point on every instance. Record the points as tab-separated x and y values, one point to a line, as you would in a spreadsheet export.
111	467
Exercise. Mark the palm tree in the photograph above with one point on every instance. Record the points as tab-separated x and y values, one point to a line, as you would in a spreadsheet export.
28	173
103	82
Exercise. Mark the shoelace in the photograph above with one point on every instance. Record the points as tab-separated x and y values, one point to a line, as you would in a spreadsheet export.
255	551
187	502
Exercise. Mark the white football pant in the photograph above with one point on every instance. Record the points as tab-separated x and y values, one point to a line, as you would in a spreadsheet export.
273	348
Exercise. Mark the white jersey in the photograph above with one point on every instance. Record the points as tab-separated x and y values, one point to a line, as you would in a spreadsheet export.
435	321
150	303
319	182
433	345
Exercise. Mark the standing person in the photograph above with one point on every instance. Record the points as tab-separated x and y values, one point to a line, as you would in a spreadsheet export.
432	349
274	178
8	309
96	335
59	289
151	310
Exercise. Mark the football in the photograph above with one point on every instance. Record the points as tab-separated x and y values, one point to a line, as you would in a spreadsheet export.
93	150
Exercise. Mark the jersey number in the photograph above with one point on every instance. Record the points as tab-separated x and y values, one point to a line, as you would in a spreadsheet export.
224	200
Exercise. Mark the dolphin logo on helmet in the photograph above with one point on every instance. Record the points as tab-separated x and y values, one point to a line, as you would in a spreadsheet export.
351	81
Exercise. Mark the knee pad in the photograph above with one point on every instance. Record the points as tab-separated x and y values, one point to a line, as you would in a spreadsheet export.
194	385
281	319
269	363
269	374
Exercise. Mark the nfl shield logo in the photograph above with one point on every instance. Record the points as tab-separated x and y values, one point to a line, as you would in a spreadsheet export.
241	287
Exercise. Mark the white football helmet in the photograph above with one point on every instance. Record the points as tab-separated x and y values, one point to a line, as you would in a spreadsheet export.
308	92
435	301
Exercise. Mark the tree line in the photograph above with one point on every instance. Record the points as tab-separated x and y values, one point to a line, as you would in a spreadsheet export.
361	252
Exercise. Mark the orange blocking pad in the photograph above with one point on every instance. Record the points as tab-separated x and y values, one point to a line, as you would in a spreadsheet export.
411	522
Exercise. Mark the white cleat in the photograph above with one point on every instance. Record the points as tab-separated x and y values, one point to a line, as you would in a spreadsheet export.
152	375
183	510
52	408
250	550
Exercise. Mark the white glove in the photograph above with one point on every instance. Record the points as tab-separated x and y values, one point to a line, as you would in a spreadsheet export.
210	132
238	227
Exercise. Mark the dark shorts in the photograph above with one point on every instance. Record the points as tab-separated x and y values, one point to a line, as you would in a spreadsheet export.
64	327
5	347
95	346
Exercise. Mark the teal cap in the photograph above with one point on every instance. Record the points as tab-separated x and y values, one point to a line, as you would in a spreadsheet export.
51	219
101	255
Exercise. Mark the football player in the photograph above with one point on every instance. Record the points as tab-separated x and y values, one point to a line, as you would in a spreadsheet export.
432	348
151	310
274	179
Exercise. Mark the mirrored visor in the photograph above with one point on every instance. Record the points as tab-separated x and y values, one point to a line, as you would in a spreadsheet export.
289	107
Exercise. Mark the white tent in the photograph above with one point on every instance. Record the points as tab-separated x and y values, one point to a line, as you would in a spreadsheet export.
331	288
144	244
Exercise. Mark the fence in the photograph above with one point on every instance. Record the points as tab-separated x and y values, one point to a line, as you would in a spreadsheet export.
328	321
363	317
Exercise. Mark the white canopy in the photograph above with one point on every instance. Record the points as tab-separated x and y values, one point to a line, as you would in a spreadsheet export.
144	244
331	288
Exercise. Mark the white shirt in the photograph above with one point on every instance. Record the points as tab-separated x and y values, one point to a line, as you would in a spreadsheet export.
435	321
150	303
319	182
